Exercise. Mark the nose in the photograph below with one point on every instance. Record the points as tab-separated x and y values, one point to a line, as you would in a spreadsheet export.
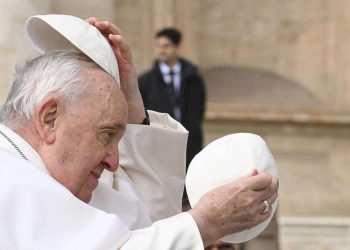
111	159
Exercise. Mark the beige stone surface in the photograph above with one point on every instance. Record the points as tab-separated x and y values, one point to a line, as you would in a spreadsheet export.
14	47
301	40
313	164
312	161
306	41
316	233
283	74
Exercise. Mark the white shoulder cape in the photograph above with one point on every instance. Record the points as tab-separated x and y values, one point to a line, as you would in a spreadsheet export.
133	209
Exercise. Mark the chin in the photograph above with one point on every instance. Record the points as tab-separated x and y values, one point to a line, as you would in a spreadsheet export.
85	197
85	193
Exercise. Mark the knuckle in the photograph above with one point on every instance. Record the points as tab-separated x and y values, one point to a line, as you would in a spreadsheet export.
274	198
266	216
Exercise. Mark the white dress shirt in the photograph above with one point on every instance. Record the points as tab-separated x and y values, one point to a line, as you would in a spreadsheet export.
165	70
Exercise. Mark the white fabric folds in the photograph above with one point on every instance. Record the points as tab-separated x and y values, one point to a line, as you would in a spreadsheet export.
224	161
52	32
36	212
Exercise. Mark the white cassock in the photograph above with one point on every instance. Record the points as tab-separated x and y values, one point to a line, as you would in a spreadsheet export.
138	207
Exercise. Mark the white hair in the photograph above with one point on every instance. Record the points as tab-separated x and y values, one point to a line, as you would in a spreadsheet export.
57	72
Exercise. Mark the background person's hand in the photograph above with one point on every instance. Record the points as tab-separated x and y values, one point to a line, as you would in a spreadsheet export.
234	207
127	71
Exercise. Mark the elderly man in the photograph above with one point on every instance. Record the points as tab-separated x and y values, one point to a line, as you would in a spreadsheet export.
61	126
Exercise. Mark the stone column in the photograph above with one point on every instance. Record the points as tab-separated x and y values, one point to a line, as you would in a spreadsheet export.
339	60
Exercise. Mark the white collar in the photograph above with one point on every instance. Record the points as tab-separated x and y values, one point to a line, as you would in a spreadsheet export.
165	69
24	146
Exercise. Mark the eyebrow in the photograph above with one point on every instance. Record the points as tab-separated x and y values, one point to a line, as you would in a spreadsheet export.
120	126
117	126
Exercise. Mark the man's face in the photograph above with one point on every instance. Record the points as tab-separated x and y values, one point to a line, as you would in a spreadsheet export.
165	49
221	246
87	137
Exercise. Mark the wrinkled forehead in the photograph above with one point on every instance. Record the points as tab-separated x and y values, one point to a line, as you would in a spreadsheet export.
104	97
100	80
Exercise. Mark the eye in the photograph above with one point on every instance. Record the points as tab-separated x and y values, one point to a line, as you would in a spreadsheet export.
106	137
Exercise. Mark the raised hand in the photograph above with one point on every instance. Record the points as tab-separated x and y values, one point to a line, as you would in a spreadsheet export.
127	72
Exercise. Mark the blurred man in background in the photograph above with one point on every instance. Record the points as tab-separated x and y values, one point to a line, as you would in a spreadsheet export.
174	86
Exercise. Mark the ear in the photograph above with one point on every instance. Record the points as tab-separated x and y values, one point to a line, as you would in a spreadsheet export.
46	120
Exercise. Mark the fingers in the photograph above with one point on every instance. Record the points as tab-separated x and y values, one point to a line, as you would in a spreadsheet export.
253	173
259	216
269	200
264	216
259	182
91	20
270	194
108	28
270	190
273	198
275	184
113	34
104	26
120	43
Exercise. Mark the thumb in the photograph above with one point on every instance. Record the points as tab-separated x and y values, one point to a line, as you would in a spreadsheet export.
253	172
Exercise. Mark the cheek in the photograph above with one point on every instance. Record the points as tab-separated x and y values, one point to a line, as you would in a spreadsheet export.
78	155
85	192
162	51
81	149
93	154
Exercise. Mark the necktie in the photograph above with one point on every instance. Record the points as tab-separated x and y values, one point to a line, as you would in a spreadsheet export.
173	97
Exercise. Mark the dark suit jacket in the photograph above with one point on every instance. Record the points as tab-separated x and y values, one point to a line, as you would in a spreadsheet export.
192	100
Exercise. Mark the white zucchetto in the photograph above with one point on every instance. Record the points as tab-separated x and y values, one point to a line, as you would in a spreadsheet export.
224	161
52	32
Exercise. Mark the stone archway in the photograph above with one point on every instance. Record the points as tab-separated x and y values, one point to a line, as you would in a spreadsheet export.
251	87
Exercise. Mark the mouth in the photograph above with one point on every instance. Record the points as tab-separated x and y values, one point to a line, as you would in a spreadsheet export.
96	174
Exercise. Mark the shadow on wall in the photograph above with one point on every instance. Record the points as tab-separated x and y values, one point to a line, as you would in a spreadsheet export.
251	87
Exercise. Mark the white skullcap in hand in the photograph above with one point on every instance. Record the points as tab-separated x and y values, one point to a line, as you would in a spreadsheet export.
224	161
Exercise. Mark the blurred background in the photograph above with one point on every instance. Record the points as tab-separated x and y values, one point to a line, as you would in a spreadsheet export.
278	68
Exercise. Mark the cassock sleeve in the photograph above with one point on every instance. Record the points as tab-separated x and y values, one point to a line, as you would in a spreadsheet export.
152	160
177	232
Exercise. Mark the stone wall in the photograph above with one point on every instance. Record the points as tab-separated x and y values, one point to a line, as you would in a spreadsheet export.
314	208
305	41
14	48
301	43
